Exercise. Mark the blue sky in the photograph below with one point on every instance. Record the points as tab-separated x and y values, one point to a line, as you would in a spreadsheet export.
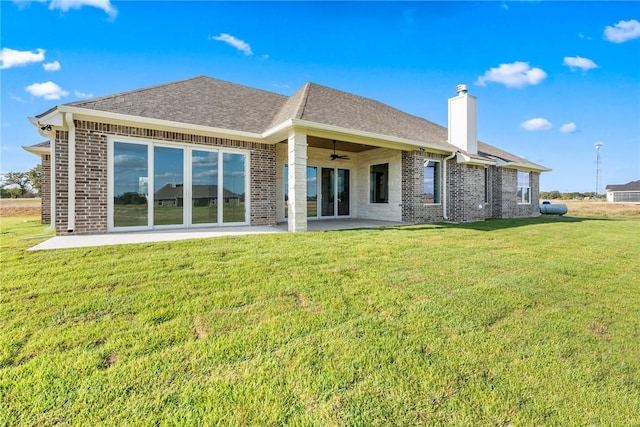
552	78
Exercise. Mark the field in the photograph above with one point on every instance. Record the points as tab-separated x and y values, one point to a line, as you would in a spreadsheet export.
505	322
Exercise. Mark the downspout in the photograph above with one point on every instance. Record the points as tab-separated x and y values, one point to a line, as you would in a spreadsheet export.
445	214
52	184
71	190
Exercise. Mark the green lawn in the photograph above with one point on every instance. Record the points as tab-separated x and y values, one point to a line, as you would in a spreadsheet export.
506	322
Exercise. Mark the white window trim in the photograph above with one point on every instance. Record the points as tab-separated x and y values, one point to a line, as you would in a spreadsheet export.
187	172
434	183
518	186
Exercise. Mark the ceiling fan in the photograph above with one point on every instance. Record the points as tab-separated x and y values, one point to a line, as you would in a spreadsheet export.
337	156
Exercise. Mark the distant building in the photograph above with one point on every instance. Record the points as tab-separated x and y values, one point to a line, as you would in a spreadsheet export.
626	193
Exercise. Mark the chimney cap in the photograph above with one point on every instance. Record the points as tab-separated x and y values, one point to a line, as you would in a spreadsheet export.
461	89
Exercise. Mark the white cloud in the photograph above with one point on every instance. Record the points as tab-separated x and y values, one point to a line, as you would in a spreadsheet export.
48	90
622	31
18	58
65	5
578	62
241	45
569	128
536	124
51	66
79	94
516	74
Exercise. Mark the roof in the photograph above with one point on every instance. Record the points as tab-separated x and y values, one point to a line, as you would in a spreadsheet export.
175	191
205	101
39	149
199	101
629	186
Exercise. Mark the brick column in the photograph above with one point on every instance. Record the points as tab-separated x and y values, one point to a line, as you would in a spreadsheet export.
297	158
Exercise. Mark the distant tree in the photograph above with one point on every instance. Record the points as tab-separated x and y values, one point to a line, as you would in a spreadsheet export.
35	176
552	195
19	181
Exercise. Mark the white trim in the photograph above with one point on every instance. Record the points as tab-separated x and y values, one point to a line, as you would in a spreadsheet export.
465	159
445	214
119	118
187	150
364	137
71	173
52	184
520	166
434	181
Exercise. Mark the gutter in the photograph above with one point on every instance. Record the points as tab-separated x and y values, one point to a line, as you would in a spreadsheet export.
445	214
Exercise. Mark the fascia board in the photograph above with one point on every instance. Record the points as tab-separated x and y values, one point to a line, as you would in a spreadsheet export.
520	166
363	137
467	160
38	151
129	120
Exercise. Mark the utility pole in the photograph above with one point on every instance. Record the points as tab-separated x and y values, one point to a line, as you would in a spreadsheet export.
598	145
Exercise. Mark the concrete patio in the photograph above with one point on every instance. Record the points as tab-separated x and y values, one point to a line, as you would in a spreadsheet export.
93	240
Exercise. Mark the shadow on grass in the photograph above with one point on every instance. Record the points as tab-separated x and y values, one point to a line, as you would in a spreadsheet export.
493	224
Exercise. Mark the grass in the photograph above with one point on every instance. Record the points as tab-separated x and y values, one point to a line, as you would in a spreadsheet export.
506	322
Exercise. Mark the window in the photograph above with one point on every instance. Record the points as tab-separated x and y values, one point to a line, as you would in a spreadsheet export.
170	185
379	183
524	187
431	186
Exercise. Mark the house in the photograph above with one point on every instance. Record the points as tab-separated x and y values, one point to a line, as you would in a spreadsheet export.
626	193
320	153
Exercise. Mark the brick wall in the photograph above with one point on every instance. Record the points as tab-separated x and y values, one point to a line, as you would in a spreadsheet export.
413	209
61	180
505	203
92	174
466	193
45	189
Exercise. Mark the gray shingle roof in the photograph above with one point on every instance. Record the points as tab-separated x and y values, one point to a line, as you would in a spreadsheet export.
216	103
629	186
199	101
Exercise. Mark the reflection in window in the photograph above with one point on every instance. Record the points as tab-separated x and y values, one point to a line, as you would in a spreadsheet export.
233	187
168	183
379	183
524	187
431	192
130	184
204	187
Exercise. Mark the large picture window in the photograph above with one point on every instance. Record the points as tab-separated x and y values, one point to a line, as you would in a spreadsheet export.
379	183
431	185
170	185
524	187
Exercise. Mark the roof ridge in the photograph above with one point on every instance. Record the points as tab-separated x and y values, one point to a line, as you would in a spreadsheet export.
303	100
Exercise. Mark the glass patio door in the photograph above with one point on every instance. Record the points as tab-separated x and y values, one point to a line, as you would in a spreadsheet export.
168	186
335	192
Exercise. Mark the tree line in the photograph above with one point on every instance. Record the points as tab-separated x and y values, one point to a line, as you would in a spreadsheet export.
557	195
21	184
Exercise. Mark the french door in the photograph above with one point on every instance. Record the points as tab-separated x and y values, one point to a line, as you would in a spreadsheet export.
327	192
335	192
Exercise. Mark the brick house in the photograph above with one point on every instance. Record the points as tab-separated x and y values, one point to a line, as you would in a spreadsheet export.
318	154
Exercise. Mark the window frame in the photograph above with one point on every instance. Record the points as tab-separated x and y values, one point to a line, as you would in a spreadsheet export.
373	185
523	187
187	171
437	181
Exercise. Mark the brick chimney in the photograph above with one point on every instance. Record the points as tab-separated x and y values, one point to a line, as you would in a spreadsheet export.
463	120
